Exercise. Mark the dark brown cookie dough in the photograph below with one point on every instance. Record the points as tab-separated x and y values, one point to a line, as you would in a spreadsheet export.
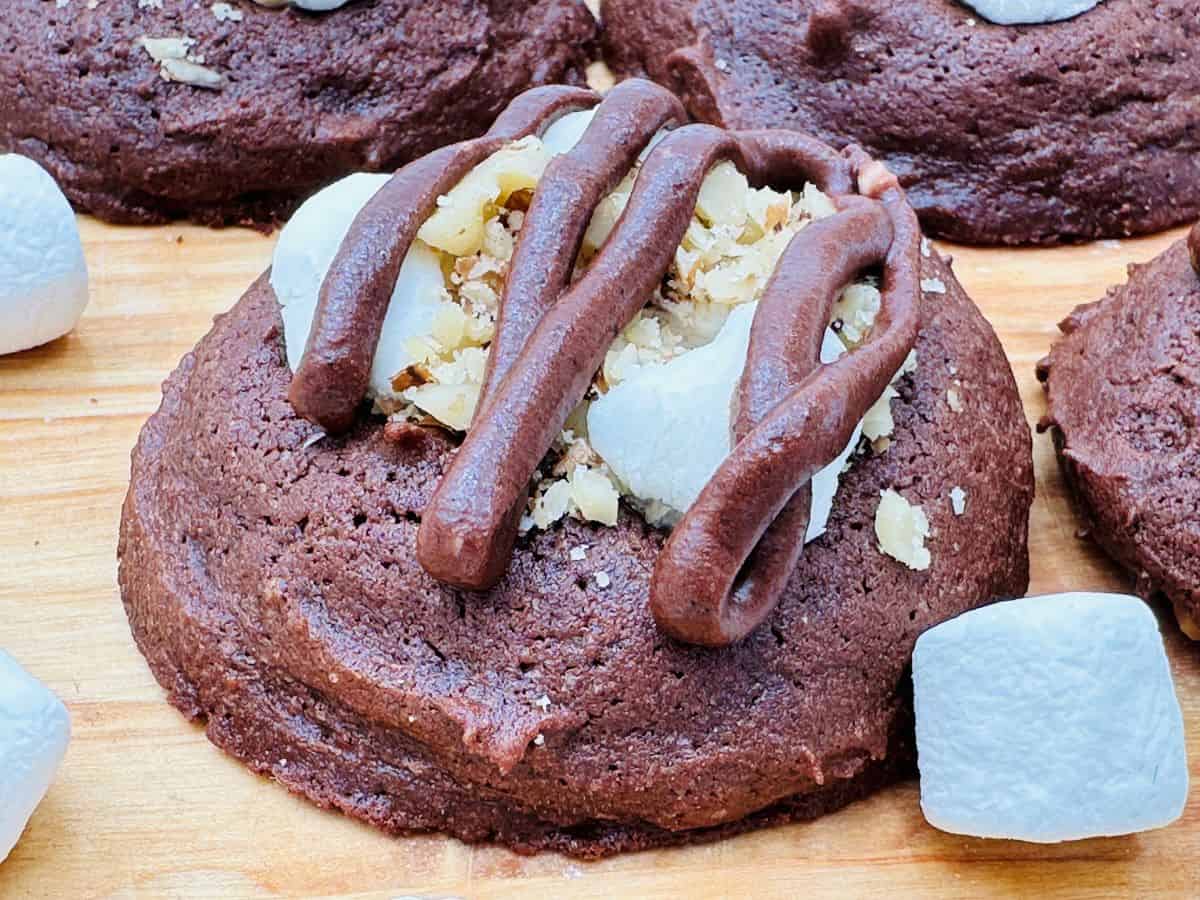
1123	391
1001	134
271	583
306	97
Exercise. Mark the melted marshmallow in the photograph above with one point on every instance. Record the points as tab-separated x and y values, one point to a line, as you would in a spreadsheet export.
665	430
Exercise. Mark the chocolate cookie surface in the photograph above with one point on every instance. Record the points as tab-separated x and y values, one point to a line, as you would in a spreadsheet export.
1123	392
265	105
271	582
1001	134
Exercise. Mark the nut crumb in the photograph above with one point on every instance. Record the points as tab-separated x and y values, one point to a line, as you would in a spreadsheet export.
602	580
958	500
902	529
224	12
578	554
933	286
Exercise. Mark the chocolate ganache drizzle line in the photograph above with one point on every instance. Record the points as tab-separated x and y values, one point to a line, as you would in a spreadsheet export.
1194	246
571	187
470	525
793	416
332	377
729	559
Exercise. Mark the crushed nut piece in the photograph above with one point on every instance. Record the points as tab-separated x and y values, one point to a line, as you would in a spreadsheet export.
902	529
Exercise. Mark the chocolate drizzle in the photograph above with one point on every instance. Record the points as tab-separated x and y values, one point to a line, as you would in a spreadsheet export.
729	558
726	563
1194	246
333	375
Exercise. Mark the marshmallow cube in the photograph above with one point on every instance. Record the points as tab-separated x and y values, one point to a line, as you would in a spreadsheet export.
1049	719
34	729
43	276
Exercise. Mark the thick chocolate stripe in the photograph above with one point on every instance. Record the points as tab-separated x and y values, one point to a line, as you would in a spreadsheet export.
570	189
787	159
332	377
730	557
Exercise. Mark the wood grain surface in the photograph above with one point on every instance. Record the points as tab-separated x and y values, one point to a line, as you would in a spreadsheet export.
145	807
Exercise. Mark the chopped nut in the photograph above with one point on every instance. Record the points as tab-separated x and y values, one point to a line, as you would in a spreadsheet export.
451	404
177	63
457	226
223	12
902	529
594	495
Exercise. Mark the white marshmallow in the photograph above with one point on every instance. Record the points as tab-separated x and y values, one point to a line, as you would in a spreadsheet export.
1029	12
34	730
666	429
310	241
306	248
566	131
43	275
1049	719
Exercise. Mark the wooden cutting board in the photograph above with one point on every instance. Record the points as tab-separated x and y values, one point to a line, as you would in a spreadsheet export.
145	807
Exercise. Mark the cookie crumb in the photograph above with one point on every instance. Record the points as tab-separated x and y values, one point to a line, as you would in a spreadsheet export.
958	500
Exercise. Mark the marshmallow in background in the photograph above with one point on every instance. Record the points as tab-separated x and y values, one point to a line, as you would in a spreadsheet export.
43	276
666	429
34	729
1049	719
1029	12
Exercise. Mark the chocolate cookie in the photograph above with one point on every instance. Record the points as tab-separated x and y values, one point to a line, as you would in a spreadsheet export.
1123	396
230	113
1002	134
282	580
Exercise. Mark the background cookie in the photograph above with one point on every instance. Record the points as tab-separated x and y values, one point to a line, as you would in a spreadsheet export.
1001	134
1124	401
230	113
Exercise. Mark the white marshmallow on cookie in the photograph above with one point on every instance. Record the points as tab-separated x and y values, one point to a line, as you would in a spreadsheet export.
34	730
43	275
666	429
1049	719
